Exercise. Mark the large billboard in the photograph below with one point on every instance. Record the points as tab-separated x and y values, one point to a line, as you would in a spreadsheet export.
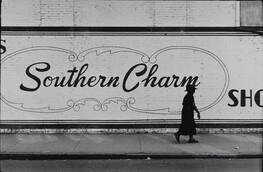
135	77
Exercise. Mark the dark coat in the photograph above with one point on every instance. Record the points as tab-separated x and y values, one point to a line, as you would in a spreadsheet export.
187	126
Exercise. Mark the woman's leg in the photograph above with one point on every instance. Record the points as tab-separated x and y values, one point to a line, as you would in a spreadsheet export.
177	136
191	139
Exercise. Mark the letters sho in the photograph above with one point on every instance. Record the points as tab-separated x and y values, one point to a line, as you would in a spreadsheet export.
78	79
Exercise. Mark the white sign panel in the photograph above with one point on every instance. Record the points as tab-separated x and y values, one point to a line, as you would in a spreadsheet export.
129	77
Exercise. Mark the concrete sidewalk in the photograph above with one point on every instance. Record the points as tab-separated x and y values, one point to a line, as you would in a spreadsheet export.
128	146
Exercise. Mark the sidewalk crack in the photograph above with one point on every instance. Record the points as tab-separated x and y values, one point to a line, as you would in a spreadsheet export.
203	148
9	147
251	140
78	143
140	144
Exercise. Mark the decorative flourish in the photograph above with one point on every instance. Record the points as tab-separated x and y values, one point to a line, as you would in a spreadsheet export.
82	102
165	111
47	109
112	50
98	105
116	100
125	105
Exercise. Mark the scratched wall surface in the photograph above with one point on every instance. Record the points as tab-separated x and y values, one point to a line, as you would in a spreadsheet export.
119	13
252	13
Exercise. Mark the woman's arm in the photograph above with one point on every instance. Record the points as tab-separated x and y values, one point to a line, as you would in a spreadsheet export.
196	109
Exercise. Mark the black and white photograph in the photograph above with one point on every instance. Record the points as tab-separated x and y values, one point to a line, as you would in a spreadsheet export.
131	86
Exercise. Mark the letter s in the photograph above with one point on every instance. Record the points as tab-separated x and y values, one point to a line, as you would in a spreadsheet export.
3	48
232	96
35	78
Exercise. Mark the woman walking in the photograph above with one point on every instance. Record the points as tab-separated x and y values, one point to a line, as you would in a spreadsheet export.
187	126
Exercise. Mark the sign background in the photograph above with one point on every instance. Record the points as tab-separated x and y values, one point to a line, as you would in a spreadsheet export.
242	57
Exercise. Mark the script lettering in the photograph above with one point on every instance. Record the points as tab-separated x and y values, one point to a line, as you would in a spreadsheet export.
144	77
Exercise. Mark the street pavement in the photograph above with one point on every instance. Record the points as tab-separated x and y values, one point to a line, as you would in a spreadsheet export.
128	146
161	165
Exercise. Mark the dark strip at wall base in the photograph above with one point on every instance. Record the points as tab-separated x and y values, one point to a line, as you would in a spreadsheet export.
125	126
133	29
164	31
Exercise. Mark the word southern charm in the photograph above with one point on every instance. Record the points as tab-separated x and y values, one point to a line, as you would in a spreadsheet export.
76	78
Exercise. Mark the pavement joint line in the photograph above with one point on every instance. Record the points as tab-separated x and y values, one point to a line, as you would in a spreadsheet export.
10	146
251	140
140	143
203	148
78	143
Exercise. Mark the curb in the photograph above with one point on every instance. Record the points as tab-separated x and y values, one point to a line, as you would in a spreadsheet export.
75	156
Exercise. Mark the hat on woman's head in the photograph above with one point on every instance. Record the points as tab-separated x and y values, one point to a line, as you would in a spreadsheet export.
190	88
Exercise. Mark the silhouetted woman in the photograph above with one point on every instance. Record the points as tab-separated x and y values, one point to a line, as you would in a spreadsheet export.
187	126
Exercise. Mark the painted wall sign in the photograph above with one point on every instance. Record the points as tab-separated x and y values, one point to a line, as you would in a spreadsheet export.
117	78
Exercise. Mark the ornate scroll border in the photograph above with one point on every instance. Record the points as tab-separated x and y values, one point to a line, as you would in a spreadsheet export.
103	106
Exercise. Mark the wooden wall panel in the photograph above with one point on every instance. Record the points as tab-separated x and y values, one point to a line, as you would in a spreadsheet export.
120	13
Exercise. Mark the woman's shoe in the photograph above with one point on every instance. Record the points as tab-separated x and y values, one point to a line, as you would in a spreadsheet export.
177	137
192	141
